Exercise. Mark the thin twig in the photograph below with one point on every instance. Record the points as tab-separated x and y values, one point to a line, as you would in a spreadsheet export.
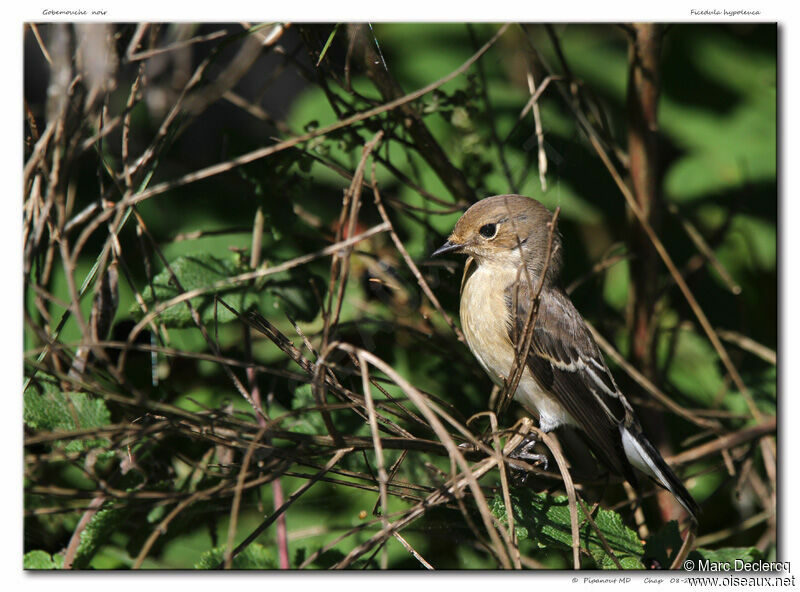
292	498
438	497
725	533
687	293
251	275
749	345
410	262
724	442
515	554
376	442
525	340
413	551
269	150
42	47
453	450
686	547
537	124
237	497
563	467
143	55
606	547
705	250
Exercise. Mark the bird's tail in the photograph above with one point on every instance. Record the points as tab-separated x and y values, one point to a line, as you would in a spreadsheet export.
644	456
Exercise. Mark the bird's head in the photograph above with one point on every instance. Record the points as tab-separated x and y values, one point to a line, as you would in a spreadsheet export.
506	230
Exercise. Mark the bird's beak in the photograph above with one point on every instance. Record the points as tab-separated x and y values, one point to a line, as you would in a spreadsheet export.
448	247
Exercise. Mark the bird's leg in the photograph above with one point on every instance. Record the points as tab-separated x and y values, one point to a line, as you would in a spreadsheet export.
525	453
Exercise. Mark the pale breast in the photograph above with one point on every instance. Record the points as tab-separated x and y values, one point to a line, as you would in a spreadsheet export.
484	316
482	313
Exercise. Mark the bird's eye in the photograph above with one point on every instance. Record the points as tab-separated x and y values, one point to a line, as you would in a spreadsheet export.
488	230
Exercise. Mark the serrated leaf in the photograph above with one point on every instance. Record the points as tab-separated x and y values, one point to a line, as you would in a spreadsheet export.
100	527
199	271
254	556
545	520
41	560
47	408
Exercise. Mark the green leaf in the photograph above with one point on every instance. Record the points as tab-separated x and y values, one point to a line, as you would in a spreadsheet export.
616	284
545	520
41	560
101	526
723	152
324	560
327	44
750	243
47	408
664	545
254	556
728	555
310	422
296	292
199	271
694	369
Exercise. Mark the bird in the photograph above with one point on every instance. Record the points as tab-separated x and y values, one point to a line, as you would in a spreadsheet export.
514	255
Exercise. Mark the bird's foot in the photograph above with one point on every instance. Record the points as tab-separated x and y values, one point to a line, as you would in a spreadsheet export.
468	447
524	452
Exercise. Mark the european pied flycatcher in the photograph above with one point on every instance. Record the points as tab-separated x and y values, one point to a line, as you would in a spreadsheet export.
565	380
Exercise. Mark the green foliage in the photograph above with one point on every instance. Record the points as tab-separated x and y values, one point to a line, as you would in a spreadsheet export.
254	556
47	408
725	150
101	526
201	271
663	546
324	560
310	422
695	369
728	555
41	560
295	292
617	282
545	520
